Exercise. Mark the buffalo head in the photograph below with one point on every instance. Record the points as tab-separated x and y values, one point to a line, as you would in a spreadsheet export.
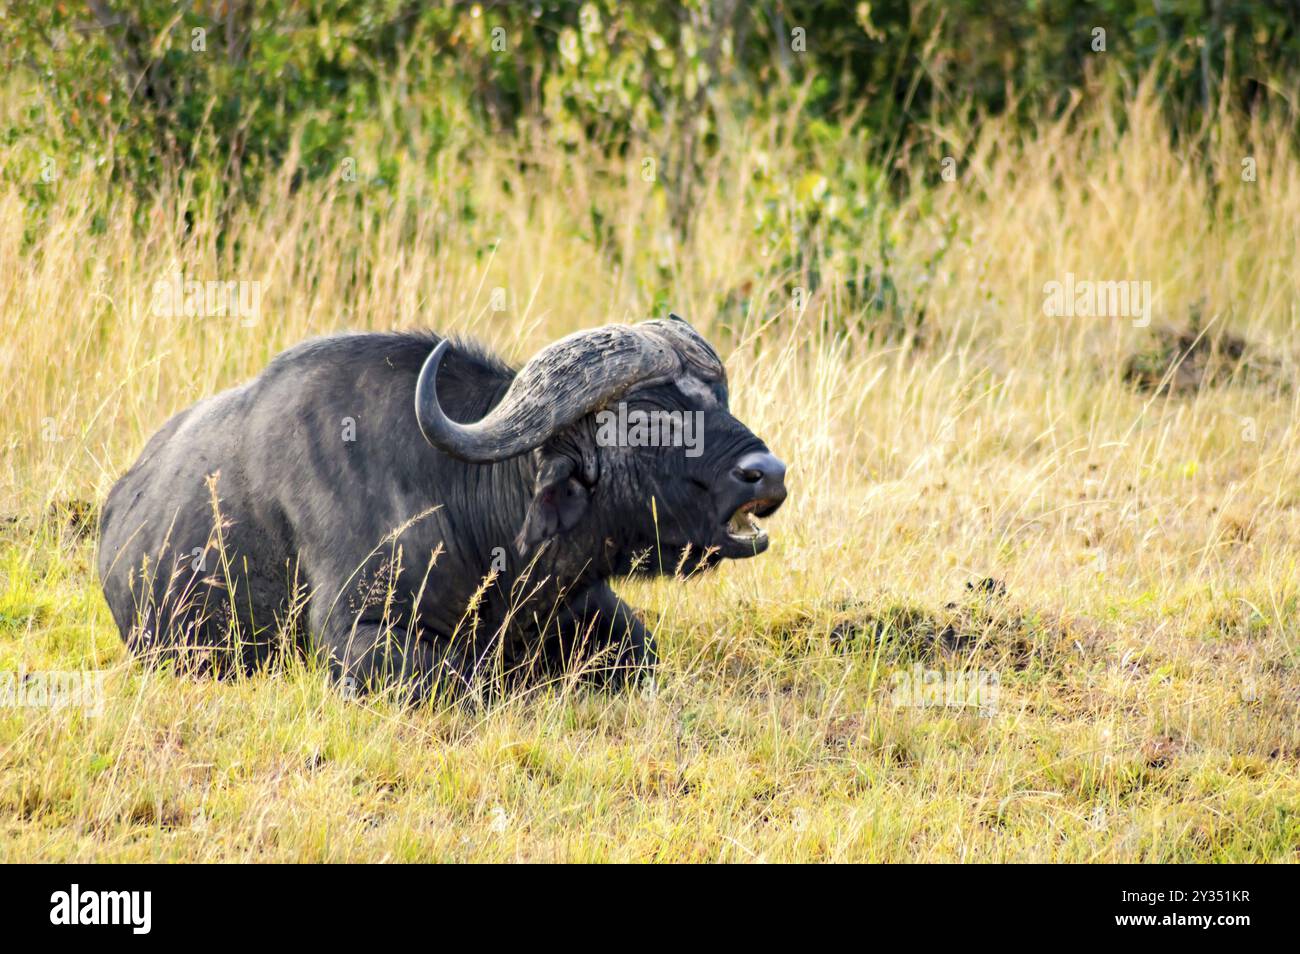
633	441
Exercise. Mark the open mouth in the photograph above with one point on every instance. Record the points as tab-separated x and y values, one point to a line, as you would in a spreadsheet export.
742	529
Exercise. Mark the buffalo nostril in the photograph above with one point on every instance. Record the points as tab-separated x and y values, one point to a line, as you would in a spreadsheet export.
762	468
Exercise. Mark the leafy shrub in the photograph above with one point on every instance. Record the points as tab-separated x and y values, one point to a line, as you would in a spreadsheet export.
230	90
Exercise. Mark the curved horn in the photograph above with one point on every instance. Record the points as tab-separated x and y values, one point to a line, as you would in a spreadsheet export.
562	383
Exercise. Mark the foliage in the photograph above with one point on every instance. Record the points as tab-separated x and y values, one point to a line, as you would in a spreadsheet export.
232	90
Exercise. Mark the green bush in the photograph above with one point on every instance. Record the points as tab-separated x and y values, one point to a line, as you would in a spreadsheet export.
230	91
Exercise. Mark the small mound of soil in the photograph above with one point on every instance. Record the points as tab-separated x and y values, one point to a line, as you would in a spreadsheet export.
981	622
1184	361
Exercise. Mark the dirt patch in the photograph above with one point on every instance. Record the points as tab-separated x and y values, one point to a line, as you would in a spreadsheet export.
73	519
1183	361
1159	752
981	623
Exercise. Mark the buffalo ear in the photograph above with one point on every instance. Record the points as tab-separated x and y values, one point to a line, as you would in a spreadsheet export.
558	504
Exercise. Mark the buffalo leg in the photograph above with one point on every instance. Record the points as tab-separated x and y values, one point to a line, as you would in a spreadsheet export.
369	656
599	630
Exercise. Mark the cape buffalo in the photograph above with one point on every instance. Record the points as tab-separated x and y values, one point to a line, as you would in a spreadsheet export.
335	503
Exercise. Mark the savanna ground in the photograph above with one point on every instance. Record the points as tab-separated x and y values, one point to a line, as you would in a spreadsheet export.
1143	636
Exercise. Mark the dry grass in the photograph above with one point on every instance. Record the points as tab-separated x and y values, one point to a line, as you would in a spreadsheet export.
1145	648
